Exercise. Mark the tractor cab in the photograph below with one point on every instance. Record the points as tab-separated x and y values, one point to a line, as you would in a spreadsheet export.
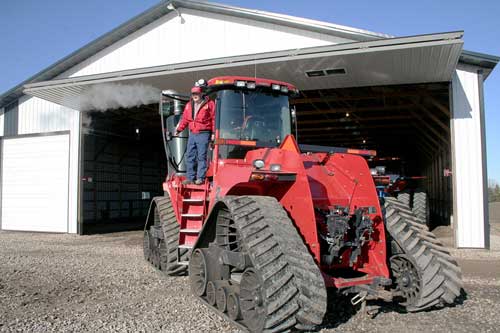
250	113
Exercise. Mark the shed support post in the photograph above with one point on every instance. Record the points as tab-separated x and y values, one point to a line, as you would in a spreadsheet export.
470	206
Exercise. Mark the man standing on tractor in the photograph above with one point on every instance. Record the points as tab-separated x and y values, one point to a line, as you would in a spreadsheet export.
199	116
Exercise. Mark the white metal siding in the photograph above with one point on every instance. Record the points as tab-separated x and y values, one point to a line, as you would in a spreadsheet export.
200	36
35	183
37	115
74	167
1	121
10	119
469	219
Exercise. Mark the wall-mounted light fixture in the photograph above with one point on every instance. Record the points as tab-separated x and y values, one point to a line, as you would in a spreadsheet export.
171	6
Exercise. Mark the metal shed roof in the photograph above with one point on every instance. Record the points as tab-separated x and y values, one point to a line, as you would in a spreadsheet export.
162	9
416	59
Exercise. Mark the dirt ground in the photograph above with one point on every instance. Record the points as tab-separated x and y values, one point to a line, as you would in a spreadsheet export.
51	282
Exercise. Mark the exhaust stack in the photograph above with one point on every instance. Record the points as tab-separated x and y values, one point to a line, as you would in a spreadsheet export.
171	108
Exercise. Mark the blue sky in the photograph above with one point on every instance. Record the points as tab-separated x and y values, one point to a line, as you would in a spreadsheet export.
34	34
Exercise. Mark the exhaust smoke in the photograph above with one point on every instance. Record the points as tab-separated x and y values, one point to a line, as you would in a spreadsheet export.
111	96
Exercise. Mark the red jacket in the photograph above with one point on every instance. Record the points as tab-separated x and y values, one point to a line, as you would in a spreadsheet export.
204	120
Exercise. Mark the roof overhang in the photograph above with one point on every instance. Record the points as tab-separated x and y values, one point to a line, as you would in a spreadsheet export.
406	60
485	62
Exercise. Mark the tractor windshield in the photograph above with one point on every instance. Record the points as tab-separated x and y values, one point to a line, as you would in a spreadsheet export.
253	115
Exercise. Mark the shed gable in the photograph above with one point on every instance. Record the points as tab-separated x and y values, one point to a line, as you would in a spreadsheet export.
197	36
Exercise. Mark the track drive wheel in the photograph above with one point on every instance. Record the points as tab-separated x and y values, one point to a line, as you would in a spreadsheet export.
198	272
424	273
406	278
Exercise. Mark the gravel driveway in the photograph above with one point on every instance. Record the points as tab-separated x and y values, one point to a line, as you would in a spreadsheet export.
51	282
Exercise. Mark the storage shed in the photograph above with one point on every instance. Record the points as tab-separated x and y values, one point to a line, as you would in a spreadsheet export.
73	163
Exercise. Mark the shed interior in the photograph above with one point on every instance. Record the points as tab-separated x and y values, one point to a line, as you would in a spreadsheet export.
408	126
123	168
124	161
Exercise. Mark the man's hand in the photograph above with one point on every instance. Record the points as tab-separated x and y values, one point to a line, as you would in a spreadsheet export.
176	133
212	137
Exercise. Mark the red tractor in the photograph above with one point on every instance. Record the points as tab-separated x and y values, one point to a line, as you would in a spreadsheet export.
409	190
275	224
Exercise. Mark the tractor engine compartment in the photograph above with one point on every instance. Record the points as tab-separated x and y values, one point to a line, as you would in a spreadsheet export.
343	235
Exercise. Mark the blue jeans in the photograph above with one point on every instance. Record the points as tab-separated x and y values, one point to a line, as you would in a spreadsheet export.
197	155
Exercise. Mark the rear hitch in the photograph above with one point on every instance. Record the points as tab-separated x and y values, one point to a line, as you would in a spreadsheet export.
358	298
369	292
372	291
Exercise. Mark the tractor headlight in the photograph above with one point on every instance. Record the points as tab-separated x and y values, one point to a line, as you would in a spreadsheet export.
275	86
251	85
258	164
284	89
275	167
240	84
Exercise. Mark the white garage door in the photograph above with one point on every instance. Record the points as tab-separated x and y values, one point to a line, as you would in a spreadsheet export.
35	183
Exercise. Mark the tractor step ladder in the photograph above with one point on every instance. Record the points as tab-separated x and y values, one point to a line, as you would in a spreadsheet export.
192	214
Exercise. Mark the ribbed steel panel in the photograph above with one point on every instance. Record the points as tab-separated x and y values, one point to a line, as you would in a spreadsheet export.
469	208
11	119
1	121
35	183
167	41
37	115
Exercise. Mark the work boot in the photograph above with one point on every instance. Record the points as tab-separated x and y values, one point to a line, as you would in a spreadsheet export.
199	181
187	182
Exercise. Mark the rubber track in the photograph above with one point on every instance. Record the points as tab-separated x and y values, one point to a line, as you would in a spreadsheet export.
405	198
294	287
168	248
420	206
440	274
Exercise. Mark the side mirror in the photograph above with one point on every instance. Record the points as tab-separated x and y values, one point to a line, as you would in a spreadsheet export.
166	108
293	113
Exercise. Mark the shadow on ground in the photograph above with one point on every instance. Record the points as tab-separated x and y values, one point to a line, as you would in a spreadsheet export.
340	310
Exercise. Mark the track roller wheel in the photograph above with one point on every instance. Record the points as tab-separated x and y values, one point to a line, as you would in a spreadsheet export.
233	306
198	273
211	293
156	258
221	298
146	247
251	300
